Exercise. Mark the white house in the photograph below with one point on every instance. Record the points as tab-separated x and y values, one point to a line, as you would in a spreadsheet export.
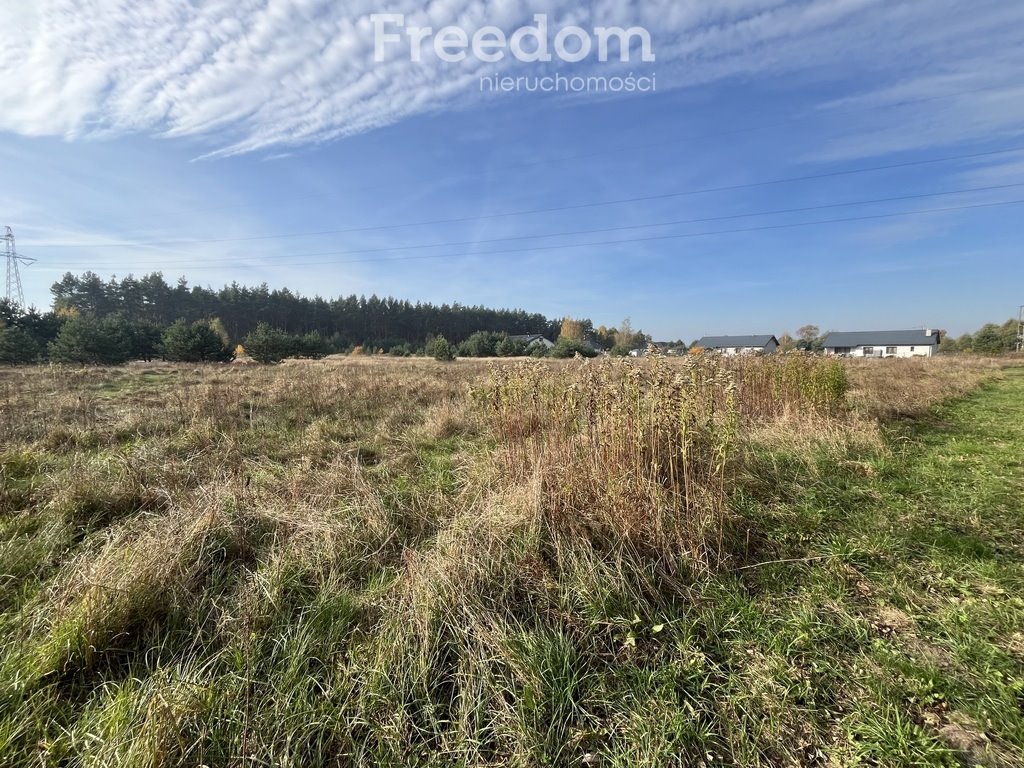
920	343
740	345
661	347
531	339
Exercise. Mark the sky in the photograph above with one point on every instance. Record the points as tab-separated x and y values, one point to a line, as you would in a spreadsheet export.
855	164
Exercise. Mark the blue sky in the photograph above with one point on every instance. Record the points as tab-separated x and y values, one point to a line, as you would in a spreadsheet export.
209	140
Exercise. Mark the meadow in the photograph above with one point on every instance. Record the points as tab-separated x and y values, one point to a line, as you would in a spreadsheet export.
398	562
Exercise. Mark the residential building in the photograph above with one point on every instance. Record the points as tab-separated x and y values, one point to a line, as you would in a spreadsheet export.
919	343
530	339
740	345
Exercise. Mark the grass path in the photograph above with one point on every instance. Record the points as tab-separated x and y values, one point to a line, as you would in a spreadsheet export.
903	642
954	513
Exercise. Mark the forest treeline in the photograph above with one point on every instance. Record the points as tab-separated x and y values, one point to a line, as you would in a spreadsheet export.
990	339
96	321
107	322
349	321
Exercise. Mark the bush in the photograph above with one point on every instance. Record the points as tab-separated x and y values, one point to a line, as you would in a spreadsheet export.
268	345
509	347
402	350
193	343
481	344
571	347
992	339
18	346
439	349
88	341
313	345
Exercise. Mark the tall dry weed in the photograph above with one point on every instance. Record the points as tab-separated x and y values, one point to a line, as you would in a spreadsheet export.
626	452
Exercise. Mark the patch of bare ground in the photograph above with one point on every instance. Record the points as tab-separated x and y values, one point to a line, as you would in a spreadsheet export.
895	625
973	747
1015	645
959	732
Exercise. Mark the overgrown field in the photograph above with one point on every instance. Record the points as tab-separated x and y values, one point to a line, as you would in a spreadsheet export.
776	562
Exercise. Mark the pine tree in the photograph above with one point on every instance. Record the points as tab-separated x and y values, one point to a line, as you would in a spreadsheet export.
268	345
17	346
439	349
88	341
193	343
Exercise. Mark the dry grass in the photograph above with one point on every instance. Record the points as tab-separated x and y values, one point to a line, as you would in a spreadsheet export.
623	453
905	388
357	561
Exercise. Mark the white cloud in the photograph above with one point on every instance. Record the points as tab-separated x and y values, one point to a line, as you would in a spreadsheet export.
247	75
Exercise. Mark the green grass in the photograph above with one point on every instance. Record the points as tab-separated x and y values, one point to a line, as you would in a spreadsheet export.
273	575
136	383
903	620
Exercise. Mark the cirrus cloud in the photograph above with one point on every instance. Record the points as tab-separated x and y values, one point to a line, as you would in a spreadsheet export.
248	75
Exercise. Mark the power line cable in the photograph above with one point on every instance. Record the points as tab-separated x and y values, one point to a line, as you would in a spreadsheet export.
763	228
682	236
571	233
553	209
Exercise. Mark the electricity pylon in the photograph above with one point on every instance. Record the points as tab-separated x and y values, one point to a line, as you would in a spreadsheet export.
15	294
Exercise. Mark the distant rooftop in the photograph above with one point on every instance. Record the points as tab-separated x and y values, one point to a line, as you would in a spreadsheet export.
919	337
726	342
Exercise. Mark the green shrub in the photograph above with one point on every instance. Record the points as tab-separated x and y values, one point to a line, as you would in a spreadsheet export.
480	344
509	347
402	350
312	345
439	349
193	343
570	348
18	346
268	345
88	341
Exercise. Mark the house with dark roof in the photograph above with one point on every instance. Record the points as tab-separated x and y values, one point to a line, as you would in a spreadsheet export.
740	345
919	343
